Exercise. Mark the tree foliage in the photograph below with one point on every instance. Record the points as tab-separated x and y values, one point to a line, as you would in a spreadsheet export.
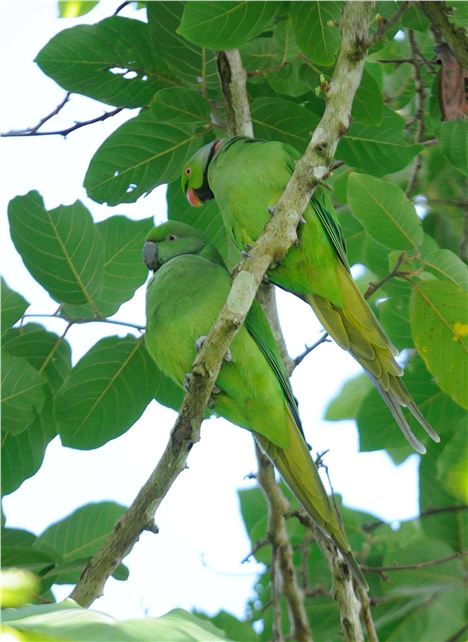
399	185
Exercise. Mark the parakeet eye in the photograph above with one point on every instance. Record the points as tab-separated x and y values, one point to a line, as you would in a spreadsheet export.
188	171
171	237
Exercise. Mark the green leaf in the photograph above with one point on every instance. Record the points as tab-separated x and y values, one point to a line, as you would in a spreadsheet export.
113	61
439	322
14	305
16	537
29	558
124	270
453	139
414	18
75	8
385	211
378	150
180	106
346	404
283	120
22	393
22	454
185	60
317	39
143	153
80	535
452	466
394	315
233	627
225	25
446	265
67	620
294	79
368	105
105	393
60	247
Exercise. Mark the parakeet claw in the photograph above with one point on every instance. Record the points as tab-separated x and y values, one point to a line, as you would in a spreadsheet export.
245	254
187	379
228	356
302	221
199	342
271	211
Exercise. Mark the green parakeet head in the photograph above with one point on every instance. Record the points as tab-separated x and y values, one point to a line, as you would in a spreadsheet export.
195	175
172	239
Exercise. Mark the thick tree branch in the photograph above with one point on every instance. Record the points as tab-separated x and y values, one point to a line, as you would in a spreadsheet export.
277	238
437	12
233	78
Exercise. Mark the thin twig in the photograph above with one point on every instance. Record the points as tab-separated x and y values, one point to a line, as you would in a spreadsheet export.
300	357
61	132
366	614
414	567
385	25
53	113
121	7
126	324
419	115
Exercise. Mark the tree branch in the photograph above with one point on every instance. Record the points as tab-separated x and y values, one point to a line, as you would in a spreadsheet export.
233	78
271	247
437	13
282	549
416	566
384	24
60	132
419	115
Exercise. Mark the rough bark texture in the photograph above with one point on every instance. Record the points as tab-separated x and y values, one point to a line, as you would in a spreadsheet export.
456	37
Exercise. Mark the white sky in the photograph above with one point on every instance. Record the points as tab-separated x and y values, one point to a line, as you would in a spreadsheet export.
195	559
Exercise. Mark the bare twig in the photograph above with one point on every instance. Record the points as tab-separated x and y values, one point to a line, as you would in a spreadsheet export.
60	132
373	287
300	357
366	614
419	115
126	324
414	567
385	25
272	245
282	550
121	7
437	12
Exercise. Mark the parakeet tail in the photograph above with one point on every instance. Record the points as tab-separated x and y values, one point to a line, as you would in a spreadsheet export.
355	328
298	470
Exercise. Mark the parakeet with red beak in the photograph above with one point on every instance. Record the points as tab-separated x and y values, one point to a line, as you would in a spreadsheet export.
189	287
247	178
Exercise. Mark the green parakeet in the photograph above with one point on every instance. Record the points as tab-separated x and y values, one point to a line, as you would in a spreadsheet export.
184	297
247	178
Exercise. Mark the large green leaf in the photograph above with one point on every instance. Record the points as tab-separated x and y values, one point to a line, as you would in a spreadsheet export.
316	37
368	102
394	314
454	142
385	211
60	247
439	322
13	306
283	120
105	393
446	265
145	152
188	62
22	454
124	270
225	25
452	465
79	535
75	8
113	61
22	393
378	150
346	403
67	620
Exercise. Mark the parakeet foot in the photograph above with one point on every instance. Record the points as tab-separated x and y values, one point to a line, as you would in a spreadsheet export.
271	211
187	379
199	342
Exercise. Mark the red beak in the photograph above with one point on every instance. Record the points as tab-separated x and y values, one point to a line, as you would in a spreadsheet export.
193	198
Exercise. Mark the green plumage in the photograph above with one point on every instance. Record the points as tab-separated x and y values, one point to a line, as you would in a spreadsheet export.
247	177
189	287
